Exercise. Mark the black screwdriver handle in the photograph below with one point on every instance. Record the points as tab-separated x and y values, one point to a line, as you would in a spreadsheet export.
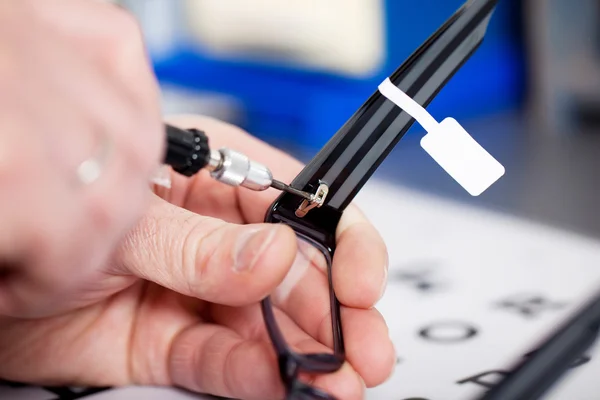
187	151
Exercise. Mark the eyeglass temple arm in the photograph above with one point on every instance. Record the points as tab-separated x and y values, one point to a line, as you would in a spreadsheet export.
538	373
348	160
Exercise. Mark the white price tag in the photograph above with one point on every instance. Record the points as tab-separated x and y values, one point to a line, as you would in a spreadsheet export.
450	145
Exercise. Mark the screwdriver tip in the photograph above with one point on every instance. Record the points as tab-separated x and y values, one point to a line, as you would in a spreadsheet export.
275	184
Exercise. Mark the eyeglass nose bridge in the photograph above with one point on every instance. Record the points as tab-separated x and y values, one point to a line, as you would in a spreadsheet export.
291	364
320	363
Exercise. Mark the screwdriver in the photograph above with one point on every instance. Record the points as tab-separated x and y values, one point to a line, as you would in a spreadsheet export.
188	152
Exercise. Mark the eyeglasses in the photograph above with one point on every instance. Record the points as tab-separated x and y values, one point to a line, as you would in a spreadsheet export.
291	364
346	162
337	173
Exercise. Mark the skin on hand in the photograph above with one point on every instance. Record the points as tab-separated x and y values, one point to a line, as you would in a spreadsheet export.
74	81
178	305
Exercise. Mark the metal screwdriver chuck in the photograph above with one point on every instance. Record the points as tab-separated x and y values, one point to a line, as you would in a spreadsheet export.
236	169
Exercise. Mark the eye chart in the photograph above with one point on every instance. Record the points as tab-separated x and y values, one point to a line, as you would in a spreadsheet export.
470	292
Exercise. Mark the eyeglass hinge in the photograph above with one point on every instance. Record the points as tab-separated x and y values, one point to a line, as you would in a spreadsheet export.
317	200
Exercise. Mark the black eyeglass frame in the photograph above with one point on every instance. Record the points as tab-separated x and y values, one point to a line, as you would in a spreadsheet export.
349	159
346	163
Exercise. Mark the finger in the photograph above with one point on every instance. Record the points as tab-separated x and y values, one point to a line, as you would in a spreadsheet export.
370	351
248	322
360	263
205	257
216	360
204	195
359	269
306	287
241	364
344	383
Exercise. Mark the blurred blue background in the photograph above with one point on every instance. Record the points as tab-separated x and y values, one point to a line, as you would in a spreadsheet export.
291	73
306	107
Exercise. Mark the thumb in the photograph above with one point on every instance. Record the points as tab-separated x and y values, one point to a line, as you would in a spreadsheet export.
205	257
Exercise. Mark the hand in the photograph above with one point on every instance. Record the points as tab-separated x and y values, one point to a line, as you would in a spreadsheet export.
75	84
193	319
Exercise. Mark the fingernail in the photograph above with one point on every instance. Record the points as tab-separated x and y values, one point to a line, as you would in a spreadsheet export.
250	245
385	278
